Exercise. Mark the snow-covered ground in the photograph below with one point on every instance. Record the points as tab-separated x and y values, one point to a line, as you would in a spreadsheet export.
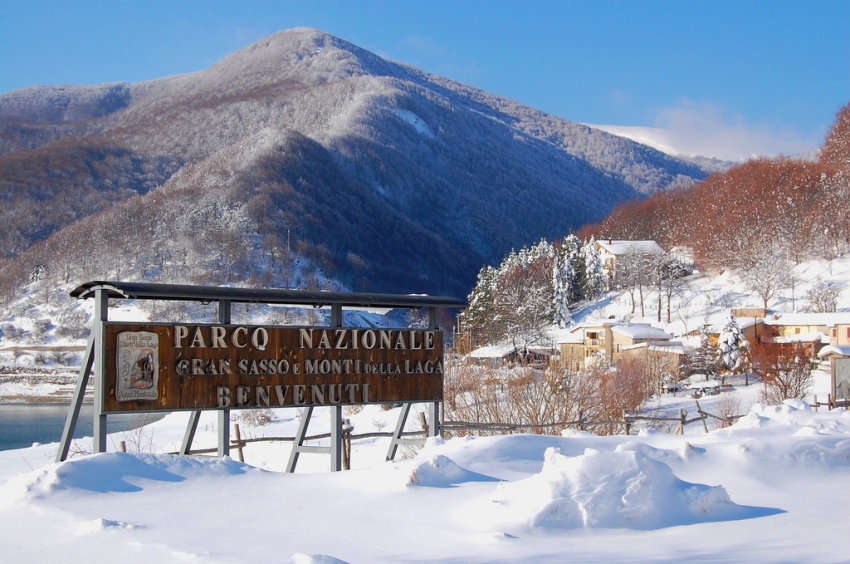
771	488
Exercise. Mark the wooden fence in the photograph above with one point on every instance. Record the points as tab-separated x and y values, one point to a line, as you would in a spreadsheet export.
238	442
583	424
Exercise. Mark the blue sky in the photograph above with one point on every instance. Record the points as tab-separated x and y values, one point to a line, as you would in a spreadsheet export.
766	74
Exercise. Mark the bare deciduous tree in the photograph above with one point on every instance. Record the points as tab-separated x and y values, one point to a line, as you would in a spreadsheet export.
785	370
766	272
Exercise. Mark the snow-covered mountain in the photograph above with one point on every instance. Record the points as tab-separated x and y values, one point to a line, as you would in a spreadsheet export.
301	159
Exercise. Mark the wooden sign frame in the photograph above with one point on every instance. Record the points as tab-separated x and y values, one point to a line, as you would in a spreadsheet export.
150	367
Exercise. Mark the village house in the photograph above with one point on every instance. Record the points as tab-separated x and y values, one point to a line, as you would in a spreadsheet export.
815	330
586	341
827	328
608	339
496	356
660	357
615	256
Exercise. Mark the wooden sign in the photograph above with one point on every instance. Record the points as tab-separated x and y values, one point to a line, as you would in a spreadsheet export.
152	367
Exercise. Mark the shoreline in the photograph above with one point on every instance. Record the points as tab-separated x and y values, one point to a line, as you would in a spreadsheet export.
29	399
40	385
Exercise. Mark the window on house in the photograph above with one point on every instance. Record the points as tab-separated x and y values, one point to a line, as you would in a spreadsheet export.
797	331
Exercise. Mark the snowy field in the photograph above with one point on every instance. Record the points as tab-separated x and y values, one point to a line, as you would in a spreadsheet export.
774	487
771	488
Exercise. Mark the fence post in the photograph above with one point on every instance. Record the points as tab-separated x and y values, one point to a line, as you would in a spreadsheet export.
703	415
347	428
238	442
681	429
627	423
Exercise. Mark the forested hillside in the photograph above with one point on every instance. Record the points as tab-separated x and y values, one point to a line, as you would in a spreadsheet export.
301	160
760	211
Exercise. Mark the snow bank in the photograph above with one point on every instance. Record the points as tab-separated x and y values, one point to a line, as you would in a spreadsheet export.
116	472
623	489
300	558
797	414
441	472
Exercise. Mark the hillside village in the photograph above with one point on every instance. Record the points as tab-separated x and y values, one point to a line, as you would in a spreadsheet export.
683	351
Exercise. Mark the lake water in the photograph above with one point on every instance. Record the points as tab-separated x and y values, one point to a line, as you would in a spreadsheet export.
22	424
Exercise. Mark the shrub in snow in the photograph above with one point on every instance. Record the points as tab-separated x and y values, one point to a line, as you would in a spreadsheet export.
823	297
256	417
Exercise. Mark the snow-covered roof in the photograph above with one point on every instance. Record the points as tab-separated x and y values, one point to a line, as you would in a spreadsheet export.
743	322
492	351
834	350
703	385
575	334
595	325
672	347
641	331
501	351
575	338
630	247
801	338
827	319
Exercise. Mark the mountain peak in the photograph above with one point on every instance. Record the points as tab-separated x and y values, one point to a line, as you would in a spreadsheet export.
307	53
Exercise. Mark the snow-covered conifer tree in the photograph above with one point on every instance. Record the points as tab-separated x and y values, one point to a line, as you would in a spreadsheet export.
562	281
594	278
703	358
479	315
542	250
733	349
571	249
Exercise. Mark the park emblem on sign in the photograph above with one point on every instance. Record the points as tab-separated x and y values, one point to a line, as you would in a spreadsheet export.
137	365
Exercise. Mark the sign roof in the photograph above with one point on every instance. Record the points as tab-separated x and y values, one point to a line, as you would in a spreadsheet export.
151	291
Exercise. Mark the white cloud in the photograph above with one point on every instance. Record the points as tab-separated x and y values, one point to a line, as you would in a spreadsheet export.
703	128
